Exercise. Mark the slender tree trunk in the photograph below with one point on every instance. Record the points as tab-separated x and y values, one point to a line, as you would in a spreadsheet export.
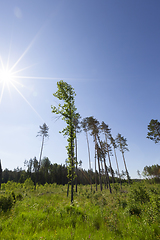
105	166
68	189
76	158
72	170
89	159
107	175
95	170
100	180
125	167
117	166
41	151
109	160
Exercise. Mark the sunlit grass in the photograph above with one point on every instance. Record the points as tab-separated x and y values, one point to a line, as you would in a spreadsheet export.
46	213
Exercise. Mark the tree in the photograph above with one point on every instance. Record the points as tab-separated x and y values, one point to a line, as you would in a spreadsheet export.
112	140
44	133
152	171
122	145
66	93
107	132
0	174
84	124
154	131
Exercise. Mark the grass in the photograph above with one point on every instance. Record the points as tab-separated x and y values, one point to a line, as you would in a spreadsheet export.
46	213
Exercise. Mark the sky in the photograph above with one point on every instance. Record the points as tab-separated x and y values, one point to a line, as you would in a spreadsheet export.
109	51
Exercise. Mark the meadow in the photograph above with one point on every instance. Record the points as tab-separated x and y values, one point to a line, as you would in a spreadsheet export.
132	212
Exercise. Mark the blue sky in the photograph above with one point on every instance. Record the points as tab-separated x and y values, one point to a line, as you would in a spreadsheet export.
109	51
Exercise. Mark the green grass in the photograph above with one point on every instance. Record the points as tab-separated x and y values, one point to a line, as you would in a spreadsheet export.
46	213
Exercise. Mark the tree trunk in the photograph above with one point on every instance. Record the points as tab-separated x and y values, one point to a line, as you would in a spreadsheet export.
125	167
106	170
72	158
41	151
95	170
100	180
117	166
109	160
107	175
89	159
76	159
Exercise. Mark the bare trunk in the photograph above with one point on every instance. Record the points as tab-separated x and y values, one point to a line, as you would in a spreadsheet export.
117	165
72	156
107	175
125	167
95	170
100	180
76	159
106	170
89	160
109	160
41	151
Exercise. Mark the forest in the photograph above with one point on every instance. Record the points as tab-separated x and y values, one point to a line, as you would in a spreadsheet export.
104	203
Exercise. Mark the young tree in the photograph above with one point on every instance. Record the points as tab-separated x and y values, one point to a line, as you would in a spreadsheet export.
44	133
0	174
122	145
66	93
154	131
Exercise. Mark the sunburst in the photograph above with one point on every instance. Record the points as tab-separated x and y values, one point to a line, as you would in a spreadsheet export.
10	77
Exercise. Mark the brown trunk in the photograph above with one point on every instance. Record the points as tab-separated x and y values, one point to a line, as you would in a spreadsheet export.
125	167
89	160
109	160
76	159
117	165
100	180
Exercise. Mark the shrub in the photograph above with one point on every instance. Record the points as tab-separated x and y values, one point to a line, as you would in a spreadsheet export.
139	194
6	203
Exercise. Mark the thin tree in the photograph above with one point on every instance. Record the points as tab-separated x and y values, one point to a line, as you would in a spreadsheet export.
67	111
94	126
84	124
154	131
43	133
107	132
114	147
122	145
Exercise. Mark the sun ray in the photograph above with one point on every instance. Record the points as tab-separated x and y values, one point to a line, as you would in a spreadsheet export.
27	49
43	78
2	92
20	70
27	101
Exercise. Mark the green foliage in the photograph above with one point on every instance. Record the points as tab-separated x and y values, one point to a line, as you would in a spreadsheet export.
28	184
66	93
152	171
154	131
46	214
139	194
6	203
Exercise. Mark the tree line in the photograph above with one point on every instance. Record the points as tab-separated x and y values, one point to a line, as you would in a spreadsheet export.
49	173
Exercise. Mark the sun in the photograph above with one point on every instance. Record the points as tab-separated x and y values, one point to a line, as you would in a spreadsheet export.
5	76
